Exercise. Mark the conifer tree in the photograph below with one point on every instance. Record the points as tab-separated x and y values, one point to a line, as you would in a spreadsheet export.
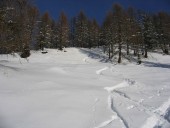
108	34
119	22
81	30
63	31
93	33
149	33
33	17
163	30
54	43
72	32
44	36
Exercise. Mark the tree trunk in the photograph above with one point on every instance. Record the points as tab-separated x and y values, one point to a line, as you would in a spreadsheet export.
120	53
112	49
127	48
134	52
109	52
146	53
166	51
139	57
120	45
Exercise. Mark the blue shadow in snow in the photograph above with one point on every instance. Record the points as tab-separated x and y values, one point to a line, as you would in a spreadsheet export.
159	65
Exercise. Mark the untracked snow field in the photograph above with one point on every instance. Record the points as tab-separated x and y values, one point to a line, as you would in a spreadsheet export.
78	89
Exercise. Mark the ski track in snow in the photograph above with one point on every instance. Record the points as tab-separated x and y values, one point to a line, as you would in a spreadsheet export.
125	83
99	72
94	111
85	59
155	114
160	117
156	119
138	104
113	108
105	123
110	90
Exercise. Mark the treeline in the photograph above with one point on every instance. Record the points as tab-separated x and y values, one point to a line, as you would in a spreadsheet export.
22	28
18	22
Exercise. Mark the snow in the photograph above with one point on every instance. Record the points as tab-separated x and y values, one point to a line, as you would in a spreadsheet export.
124	84
99	72
78	89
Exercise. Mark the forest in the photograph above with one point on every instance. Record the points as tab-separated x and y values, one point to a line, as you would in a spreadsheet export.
124	32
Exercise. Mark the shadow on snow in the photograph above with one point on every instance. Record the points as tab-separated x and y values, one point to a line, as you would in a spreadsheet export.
159	65
99	56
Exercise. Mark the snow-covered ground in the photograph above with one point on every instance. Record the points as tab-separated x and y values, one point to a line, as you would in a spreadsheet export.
77	89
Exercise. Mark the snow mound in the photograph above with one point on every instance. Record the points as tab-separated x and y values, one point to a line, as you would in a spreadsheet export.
125	83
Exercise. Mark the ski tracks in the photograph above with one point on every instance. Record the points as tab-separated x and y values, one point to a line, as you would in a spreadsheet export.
158	117
117	115
99	72
105	123
110	90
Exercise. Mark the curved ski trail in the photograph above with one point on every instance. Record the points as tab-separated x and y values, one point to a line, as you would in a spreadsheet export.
124	84
160	118
117	115
99	72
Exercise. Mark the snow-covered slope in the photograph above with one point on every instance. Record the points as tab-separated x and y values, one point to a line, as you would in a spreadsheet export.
76	89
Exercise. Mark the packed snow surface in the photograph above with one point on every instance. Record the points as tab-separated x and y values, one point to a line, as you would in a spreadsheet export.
79	89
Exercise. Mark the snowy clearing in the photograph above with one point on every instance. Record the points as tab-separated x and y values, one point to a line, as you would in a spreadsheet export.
77	89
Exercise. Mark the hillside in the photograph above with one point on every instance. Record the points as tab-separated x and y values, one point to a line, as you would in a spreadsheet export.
79	89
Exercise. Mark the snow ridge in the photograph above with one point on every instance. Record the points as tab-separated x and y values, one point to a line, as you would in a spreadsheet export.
105	123
117	113
160	117
99	72
125	83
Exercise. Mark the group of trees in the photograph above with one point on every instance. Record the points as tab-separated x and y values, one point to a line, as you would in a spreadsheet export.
17	24
137	31
124	30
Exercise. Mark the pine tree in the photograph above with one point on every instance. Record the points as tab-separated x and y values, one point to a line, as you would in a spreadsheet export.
119	22
44	36
33	16
54	43
81	30
149	33
163	30
93	33
72	32
108	34
17	20
130	28
63	31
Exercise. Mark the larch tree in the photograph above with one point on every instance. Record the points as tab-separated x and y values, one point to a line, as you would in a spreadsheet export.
130	31
93	33
54	43
72	32
14	22
33	14
164	31
119	30
149	33
63	31
81	30
44	36
108	34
